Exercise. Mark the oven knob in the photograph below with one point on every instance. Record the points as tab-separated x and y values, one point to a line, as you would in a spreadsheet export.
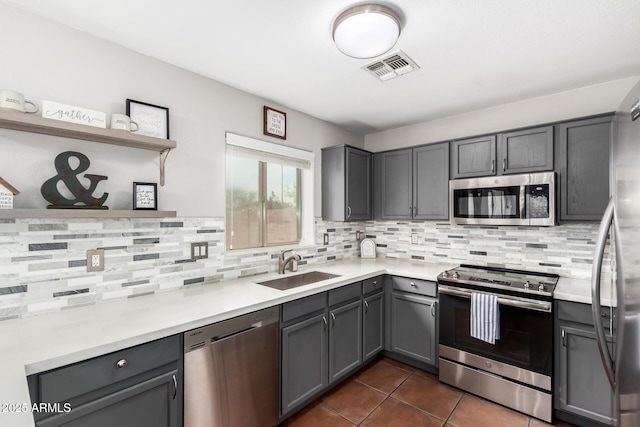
527	284
455	275
541	287
445	273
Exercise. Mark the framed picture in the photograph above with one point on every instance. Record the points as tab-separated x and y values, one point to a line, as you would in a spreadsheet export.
275	123
145	195
153	120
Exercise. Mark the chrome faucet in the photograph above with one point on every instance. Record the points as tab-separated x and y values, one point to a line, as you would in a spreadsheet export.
282	261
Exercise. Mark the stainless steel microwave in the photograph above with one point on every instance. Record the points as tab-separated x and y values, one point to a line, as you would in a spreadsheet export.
528	199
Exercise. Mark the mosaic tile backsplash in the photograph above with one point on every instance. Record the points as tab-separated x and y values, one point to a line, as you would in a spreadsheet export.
565	249
43	261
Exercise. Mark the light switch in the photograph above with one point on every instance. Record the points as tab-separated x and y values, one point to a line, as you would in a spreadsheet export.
199	250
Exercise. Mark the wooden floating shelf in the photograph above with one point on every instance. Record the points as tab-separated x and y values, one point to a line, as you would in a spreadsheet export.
37	124
83	213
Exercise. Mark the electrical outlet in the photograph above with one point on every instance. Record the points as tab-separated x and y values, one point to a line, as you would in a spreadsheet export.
95	260
325	239
358	235
414	238
199	250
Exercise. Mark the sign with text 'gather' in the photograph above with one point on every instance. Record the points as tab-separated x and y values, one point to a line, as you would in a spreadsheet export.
72	114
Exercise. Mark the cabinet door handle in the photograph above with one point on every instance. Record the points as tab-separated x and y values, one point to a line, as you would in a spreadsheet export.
410	210
564	338
413	284
415	211
121	363
433	309
333	319
324	319
175	387
504	165
375	282
366	306
348	211
493	166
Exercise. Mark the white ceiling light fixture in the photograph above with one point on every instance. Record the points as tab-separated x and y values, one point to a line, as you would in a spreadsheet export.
366	31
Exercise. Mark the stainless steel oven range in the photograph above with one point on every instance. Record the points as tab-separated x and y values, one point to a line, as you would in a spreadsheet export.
516	370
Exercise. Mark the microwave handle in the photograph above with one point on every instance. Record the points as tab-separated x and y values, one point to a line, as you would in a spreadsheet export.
521	201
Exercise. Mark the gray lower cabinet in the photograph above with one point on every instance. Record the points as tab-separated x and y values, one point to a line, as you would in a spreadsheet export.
413	330
321	339
136	387
372	325
346	184
345	339
413	325
412	184
581	385
305	362
584	154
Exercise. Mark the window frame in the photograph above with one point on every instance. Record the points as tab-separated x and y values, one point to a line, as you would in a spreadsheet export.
304	163
263	209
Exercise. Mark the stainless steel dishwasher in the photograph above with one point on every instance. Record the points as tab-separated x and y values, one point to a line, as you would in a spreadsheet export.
231	372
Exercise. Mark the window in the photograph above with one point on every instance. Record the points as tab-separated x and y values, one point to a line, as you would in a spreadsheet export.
263	194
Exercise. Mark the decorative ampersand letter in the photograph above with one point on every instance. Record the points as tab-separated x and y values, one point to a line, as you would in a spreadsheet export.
69	176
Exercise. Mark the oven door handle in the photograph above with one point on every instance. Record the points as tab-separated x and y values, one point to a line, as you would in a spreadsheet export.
526	304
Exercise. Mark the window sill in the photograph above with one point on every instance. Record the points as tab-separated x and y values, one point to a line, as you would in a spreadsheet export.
248	251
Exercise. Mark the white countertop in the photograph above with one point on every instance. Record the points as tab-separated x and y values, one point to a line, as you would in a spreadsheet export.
36	344
579	290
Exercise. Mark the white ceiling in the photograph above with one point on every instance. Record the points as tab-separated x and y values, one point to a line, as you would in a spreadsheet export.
473	54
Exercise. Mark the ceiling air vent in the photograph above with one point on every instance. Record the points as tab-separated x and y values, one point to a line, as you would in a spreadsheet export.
394	65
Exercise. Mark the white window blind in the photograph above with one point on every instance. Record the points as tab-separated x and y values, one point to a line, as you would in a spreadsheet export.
241	146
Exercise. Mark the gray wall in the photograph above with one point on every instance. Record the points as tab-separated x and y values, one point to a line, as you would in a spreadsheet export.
570	104
46	60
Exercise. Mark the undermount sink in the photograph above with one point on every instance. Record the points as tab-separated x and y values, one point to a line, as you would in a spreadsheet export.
289	282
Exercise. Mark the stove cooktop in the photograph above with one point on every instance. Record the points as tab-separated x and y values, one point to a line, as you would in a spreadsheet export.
501	279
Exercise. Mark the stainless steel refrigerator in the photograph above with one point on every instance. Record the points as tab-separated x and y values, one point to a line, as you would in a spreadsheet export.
621	226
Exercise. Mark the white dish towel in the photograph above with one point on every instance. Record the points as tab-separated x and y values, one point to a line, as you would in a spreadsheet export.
485	317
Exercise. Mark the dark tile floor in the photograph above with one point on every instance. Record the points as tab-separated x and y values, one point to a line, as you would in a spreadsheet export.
390	393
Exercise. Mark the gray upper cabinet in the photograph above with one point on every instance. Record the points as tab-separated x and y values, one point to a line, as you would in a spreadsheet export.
139	386
346	184
412	183
522	151
473	157
395	178
526	151
584	168
431	182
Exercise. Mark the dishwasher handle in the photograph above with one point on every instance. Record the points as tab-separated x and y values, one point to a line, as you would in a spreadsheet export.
216	332
231	334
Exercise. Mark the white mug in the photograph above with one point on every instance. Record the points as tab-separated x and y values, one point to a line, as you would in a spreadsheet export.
123	122
11	100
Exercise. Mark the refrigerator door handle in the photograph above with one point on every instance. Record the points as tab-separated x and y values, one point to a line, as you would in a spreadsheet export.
620	299
605	355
